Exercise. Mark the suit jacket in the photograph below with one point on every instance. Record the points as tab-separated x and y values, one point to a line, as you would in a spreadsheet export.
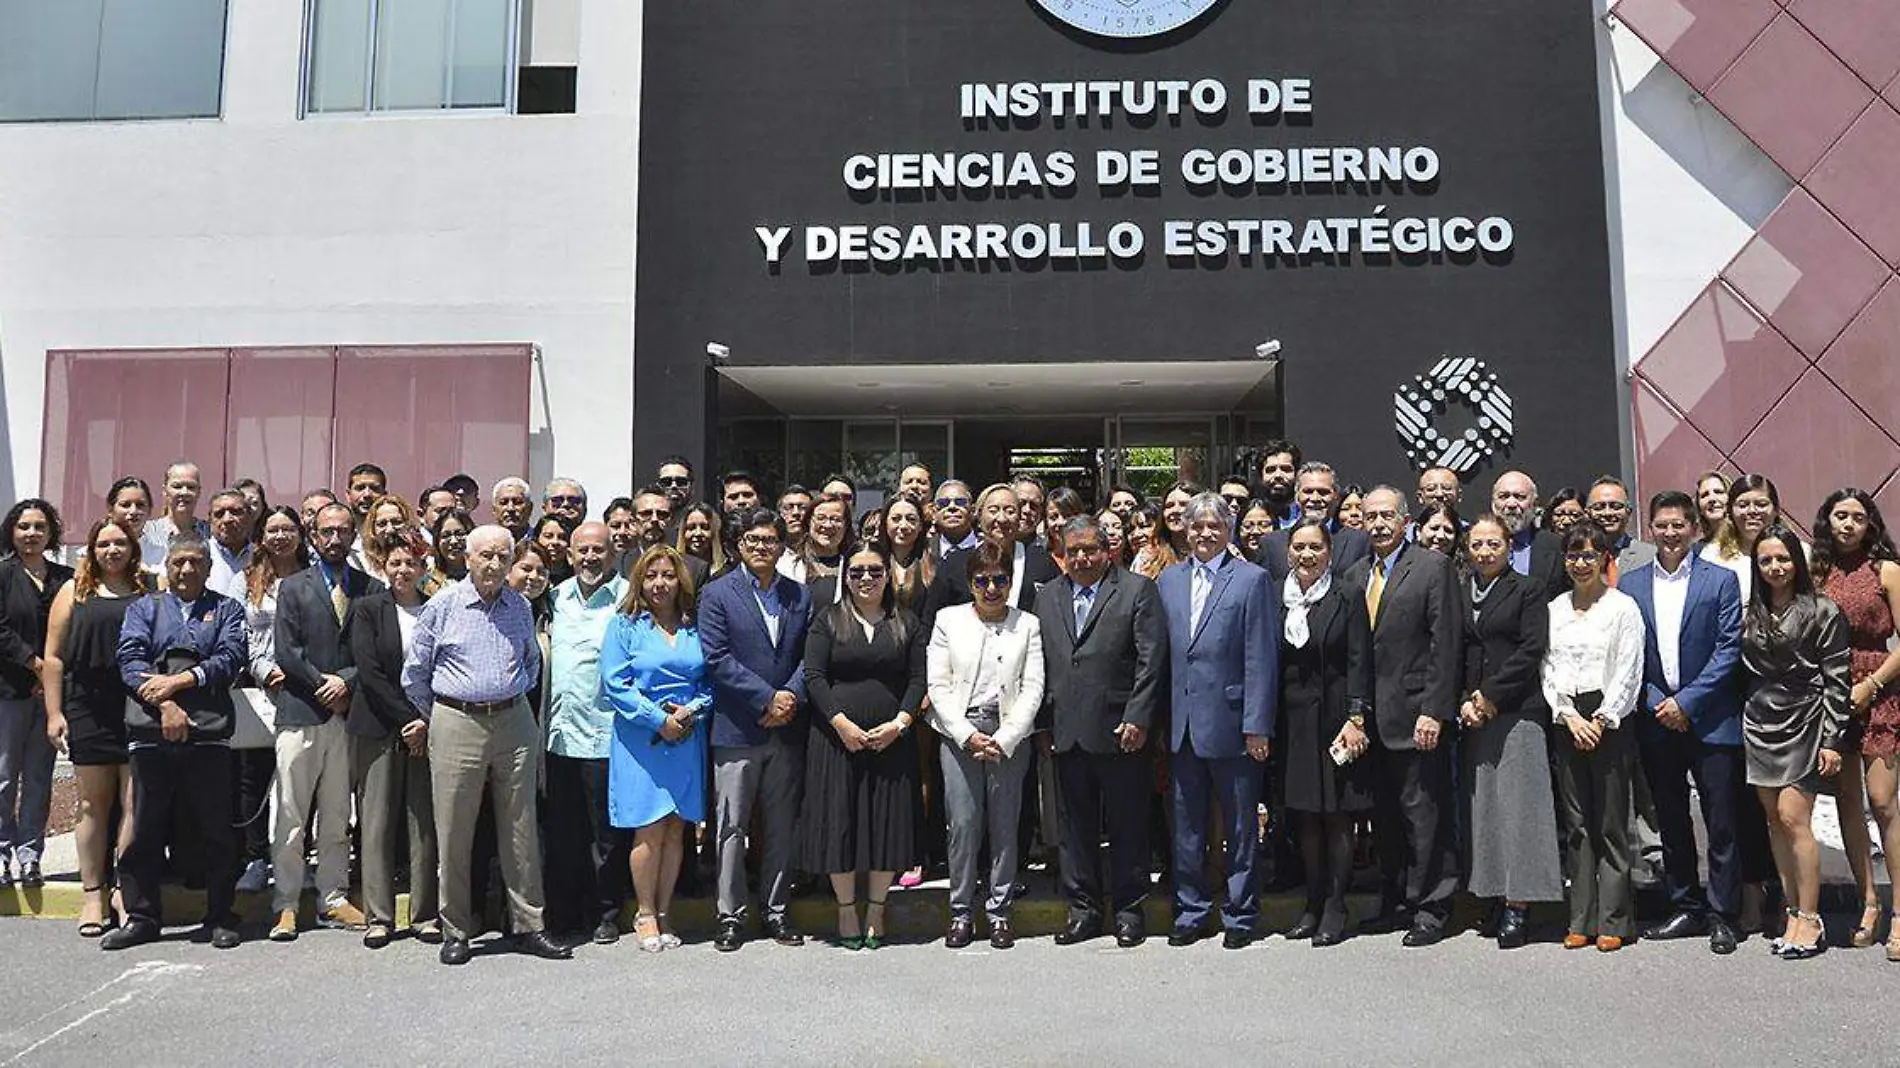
951	585
1112	671
378	707
957	640
155	625
1504	645
310	641
1547	566
1349	547
1225	673
746	666
1708	655
24	607
1632	556
1417	645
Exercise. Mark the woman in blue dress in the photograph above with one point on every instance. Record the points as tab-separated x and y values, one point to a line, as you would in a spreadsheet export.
653	672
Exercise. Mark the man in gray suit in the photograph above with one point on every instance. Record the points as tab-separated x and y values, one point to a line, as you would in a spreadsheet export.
1609	507
1416	651
1105	651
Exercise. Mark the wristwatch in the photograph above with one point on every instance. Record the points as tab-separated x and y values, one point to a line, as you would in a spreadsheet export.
1357	719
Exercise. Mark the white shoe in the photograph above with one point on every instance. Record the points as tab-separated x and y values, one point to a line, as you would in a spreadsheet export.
256	878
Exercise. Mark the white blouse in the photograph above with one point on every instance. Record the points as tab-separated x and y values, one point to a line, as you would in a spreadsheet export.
1600	649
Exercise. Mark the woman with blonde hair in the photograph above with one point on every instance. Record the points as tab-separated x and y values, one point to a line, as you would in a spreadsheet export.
391	518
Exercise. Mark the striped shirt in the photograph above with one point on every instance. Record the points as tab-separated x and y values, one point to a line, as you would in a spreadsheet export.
469	649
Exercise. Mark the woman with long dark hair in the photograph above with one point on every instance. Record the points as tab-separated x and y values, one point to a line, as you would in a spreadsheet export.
1440	528
280	552
30	578
1855	566
551	533
700	537
1061	505
449	558
1754	505
905	536
1798	668
827	532
1351	509
129	502
1563	510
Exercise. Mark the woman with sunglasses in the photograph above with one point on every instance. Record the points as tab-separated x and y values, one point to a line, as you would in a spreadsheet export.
864	673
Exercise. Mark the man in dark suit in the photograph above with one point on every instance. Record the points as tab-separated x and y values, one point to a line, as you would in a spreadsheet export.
1416	655
1536	554
1318	491
998	519
1689	720
652	520
313	748
752	626
1104	648
1224	655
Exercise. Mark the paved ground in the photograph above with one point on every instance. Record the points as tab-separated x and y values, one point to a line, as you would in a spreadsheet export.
325	1000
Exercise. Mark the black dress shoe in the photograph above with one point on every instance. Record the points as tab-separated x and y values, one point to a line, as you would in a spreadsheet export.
1234	938
1722	938
1680	925
1130	933
225	937
1307	926
541	944
1185	936
1001	937
136	932
1079	931
1423	934
607	933
1513	928
1329	934
730	937
959	934
454	951
784	933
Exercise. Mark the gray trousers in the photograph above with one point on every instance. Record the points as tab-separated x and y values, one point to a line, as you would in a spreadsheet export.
979	795
393	794
498	752
1593	805
772	776
26	780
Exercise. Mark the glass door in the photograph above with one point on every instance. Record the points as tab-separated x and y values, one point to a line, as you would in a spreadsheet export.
1151	452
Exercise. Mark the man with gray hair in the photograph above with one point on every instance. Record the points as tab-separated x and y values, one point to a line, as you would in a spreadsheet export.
1316	488
1536	554
510	505
469	667
566	499
1417	650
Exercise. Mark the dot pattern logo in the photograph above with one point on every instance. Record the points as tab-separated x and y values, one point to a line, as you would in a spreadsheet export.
1456	381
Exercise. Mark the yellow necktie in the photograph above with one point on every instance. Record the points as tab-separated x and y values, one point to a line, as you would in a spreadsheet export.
1375	590
339	600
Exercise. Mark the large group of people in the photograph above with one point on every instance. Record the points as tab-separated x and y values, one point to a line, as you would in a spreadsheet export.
1517	699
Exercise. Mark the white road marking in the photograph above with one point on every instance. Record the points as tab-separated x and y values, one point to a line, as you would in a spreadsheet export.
141	981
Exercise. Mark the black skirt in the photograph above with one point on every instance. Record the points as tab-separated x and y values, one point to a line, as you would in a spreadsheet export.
94	697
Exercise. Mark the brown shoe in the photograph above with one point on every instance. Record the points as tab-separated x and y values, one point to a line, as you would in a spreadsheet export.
1573	940
343	914
1609	944
285	929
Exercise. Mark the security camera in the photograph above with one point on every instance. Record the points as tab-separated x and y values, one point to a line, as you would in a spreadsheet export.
719	353
1267	350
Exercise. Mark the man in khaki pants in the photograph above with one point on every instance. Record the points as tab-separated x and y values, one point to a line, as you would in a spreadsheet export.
472	661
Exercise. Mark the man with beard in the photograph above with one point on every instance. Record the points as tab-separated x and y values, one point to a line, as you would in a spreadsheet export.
914	483
1535	553
794	506
652	519
1279	466
1030	495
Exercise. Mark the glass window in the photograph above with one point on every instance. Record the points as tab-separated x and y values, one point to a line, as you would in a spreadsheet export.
416	55
80	60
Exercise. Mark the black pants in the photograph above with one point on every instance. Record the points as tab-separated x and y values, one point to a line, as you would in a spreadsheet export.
1413	831
194	780
255	767
587	857
1104	793
1593	806
1670	760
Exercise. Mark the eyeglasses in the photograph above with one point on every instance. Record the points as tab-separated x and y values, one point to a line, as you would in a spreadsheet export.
567	498
990	582
674	480
1580	558
871	572
759	541
654	513
1609	507
953	502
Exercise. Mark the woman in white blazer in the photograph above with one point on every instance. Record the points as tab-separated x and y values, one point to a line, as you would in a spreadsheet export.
985	666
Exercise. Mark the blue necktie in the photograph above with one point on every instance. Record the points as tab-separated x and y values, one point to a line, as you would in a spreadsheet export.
1084	599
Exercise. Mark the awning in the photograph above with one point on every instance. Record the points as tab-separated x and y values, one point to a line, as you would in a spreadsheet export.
1009	389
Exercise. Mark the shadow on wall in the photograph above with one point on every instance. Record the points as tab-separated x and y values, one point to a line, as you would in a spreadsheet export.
8	491
541	439
1706	145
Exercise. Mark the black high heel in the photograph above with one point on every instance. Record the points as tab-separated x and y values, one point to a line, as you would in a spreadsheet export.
1792	951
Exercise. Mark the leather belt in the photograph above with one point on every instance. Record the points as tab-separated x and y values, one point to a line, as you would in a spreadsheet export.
477	708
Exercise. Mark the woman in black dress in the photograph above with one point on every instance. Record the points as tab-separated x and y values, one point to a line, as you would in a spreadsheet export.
85	702
29	578
865	674
1325	695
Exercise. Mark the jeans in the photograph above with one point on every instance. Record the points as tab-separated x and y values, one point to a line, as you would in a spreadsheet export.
26	780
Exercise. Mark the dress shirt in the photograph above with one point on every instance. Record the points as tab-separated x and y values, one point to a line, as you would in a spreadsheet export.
1521	550
157	539
770	607
1599	650
260	633
472	650
945	546
1739	564
986	686
1671	592
1084	604
227	570
580	722
1201	587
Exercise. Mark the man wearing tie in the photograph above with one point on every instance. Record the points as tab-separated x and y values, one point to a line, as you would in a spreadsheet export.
1224	649
752	626
1416	651
1104	646
313	750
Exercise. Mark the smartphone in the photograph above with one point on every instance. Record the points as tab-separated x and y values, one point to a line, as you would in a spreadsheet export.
1340	754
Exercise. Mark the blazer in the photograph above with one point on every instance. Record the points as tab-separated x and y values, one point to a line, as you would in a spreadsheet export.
1504	645
1633	554
1349	547
310	641
1708	653
1110	673
1225	674
957	639
24	607
1547	565
951	584
154	625
1417	646
746	666
378	706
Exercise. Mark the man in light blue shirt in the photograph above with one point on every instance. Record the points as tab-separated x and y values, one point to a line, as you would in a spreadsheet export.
587	870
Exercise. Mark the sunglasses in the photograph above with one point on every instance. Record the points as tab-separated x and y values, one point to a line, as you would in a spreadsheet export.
953	502
866	572
653	513
674	480
567	499
990	582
